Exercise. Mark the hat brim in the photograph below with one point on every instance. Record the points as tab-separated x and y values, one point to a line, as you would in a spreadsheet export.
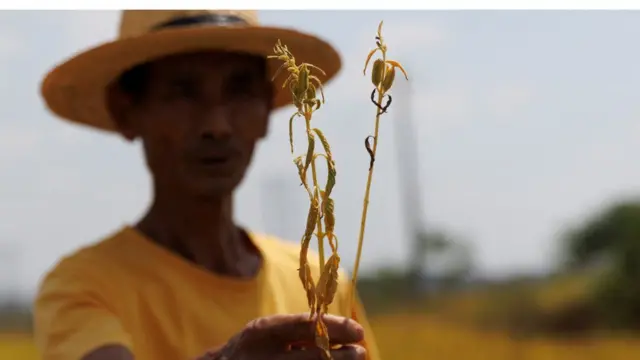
76	89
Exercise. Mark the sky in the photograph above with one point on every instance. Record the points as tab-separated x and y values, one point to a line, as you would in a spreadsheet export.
526	123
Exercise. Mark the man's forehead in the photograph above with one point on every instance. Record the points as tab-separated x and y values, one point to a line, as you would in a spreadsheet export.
208	60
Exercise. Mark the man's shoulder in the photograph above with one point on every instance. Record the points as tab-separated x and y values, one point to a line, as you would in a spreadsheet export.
274	246
85	261
287	253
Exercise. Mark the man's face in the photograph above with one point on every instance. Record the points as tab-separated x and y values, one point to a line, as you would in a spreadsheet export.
199	117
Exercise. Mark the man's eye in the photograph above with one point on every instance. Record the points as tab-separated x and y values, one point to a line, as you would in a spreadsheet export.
183	88
242	84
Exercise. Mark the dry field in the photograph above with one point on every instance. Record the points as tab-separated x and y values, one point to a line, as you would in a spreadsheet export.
416	337
412	337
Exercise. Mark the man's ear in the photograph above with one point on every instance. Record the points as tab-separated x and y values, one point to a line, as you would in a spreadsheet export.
121	107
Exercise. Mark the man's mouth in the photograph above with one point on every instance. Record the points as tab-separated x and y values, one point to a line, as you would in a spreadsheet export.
217	162
214	160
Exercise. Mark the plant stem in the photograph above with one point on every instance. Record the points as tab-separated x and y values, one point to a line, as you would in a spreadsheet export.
365	205
320	235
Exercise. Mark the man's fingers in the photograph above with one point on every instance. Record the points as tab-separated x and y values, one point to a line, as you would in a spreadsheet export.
287	329
346	352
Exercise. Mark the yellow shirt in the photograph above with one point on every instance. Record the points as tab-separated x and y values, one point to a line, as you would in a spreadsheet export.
127	290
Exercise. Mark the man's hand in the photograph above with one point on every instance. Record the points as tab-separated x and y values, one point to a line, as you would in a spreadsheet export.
271	338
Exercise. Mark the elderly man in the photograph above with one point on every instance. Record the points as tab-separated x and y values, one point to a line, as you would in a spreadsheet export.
185	281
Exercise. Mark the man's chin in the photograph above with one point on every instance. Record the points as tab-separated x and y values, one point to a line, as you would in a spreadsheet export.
210	189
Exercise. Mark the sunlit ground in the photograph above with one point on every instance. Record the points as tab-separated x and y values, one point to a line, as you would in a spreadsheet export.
412	337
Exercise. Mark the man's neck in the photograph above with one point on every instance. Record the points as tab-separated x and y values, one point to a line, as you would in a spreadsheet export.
202	231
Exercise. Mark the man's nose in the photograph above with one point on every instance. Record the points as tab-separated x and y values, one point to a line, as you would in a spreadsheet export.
216	122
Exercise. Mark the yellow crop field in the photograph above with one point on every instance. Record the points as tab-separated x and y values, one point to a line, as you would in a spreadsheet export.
17	347
412	337
417	337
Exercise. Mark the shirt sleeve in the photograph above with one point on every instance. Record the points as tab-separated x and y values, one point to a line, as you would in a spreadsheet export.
357	312
71	317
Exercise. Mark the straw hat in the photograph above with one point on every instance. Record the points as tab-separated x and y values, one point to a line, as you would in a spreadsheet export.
76	89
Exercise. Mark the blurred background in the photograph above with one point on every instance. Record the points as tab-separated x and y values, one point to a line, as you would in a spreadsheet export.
504	220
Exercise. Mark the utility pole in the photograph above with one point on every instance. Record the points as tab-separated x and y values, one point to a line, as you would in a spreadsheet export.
408	173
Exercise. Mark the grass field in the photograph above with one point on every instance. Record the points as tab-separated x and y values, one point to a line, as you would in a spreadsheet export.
415	337
412	337
17	347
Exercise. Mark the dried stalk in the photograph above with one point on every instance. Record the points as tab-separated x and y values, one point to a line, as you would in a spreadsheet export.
303	86
382	76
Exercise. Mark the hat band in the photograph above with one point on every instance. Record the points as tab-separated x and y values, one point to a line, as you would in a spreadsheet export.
202	19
